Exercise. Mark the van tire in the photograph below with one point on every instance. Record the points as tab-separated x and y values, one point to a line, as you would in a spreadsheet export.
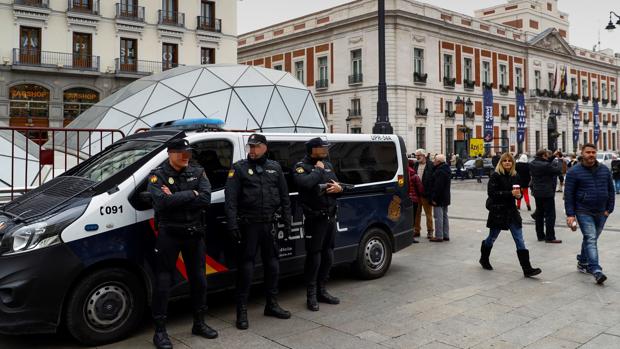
374	254
120	291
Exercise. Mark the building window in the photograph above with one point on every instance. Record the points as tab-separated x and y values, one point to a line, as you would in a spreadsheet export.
573	85
76	101
299	71
449	106
129	8
585	137
504	141
519	76
29	45
504	110
323	108
613	92
564	148
207	55
584	88
81	5
420	137
129	54
82	50
356	62
594	90
356	130
418	61
277	67
486	72
169	56
356	107
419	104
502	75
604	140
447	66
537	80
604	90
537	140
207	9
29	105
551	79
468	69
323	68
449	142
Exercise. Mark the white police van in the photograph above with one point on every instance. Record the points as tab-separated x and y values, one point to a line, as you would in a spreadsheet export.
78	251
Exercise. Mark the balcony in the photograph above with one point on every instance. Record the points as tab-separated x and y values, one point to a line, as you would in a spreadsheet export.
54	60
137	67
209	24
421	112
605	122
519	89
505	117
354	113
171	18
32	10
470	114
130	13
487	85
321	84
605	101
614	102
585	99
419	78
503	89
356	79
449	82
83	7
33	3
595	100
586	121
450	113
469	84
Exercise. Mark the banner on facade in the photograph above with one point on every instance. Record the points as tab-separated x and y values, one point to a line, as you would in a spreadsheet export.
487	101
576	130
520	117
597	126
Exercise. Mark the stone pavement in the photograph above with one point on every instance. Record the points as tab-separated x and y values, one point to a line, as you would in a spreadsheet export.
434	296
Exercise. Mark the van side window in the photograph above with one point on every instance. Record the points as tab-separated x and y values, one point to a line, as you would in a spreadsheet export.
215	156
364	162
287	154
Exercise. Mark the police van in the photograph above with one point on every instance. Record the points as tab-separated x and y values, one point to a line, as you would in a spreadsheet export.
78	250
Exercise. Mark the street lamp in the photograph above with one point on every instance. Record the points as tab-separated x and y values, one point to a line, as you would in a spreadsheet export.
382	125
610	26
464	129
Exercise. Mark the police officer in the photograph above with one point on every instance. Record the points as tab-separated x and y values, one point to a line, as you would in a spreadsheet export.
318	189
180	192
255	191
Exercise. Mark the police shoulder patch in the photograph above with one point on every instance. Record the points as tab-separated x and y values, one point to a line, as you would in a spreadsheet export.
300	170
231	173
153	179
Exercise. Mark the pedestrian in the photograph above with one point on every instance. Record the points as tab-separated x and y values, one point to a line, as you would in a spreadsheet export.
560	158
425	170
589	200
544	171
318	191
416	189
440	198
573	160
615	171
180	192
479	164
459	168
495	159
503	188
523	170
255	191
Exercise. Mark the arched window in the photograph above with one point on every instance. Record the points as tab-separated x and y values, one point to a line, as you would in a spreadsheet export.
29	105
76	101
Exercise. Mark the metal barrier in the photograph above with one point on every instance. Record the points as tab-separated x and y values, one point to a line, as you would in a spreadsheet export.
41	161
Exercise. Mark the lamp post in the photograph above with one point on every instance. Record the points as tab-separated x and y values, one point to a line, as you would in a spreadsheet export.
464	129
382	125
610	26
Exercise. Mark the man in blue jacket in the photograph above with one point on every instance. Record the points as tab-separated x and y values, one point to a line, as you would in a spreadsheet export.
589	199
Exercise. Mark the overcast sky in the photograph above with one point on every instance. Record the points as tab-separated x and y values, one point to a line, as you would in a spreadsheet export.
587	18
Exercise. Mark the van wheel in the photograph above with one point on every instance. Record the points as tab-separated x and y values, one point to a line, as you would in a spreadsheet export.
374	254
105	307
470	174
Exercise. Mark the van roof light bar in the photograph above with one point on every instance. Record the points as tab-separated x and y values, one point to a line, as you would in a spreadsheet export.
200	124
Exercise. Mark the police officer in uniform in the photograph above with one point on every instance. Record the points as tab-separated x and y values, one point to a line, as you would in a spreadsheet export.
318	189
180	192
255	191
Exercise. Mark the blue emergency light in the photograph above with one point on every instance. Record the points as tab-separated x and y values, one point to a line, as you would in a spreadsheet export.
192	124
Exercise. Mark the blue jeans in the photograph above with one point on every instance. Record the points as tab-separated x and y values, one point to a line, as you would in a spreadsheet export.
517	235
617	183
591	228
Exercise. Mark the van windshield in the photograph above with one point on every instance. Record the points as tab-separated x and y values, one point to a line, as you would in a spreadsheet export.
116	159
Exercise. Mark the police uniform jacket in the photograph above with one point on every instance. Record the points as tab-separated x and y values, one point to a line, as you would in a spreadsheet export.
307	178
255	192
183	208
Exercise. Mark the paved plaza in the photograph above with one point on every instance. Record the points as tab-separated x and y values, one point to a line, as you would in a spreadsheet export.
435	295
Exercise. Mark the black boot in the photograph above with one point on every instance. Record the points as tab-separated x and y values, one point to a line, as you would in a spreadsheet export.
311	301
485	252
324	297
524	260
242	316
272	308
200	328
161	339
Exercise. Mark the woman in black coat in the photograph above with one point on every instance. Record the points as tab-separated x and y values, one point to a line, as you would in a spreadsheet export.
503	214
523	170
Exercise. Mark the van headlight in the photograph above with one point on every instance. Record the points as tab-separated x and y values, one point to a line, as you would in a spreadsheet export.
39	234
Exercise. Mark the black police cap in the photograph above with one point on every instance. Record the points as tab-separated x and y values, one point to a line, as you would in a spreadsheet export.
317	143
257	138
179	145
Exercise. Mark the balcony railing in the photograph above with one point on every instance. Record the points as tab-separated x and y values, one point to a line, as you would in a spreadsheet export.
209	24
449	82
450	113
585	99
487	85
605	101
130	13
321	84
89	7
33	3
356	79
138	67
421	111
48	59
354	112
505	117
469	84
172	18
420	78
470	114
503	89
614	102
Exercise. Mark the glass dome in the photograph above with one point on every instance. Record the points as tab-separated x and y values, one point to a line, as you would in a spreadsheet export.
245	97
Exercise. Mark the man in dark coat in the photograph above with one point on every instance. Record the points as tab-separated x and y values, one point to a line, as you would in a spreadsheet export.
495	159
459	168
544	171
440	198
615	172
424	168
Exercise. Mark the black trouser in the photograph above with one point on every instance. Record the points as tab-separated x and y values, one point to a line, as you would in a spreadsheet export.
545	218
254	235
320	238
167	250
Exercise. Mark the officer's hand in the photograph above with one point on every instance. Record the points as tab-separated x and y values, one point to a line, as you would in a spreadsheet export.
333	187
320	164
196	193
166	190
235	235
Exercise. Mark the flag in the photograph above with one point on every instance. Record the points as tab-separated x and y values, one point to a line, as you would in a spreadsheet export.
563	82
487	101
520	117
576	130
597	126
555	80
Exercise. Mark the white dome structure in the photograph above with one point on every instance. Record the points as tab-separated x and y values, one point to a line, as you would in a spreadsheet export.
19	159
244	97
